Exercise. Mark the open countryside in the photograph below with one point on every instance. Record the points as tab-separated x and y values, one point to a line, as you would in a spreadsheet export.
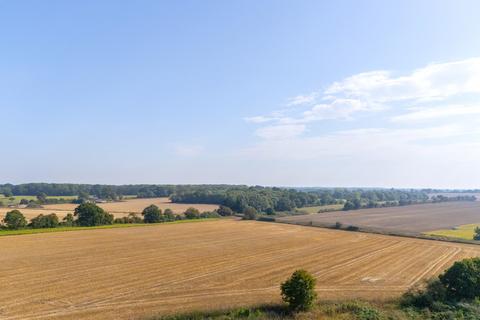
118	208
420	218
137	272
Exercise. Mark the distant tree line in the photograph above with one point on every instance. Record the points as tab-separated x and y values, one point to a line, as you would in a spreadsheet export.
90	215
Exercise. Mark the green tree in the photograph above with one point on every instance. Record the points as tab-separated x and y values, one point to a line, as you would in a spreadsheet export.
152	214
299	291
192	213
168	215
47	221
249	213
68	220
15	220
224	211
89	214
42	197
462	280
476	235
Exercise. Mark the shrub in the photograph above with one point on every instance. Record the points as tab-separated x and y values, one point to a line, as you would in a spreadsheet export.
476	235
192	213
68	220
224	211
89	214
462	280
299	291
152	214
352	228
168	215
433	293
48	221
249	213
15	220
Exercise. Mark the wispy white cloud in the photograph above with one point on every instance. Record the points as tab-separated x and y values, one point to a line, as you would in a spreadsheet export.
443	86
428	113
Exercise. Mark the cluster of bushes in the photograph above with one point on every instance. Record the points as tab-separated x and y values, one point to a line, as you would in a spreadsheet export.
442	198
455	294
89	214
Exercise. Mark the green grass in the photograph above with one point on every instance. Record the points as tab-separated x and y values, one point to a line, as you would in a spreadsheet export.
111	226
465	231
327	208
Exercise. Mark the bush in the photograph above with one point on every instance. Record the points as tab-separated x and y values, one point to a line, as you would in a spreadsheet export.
168	215
68	220
462	280
433	293
192	213
299	291
476	235
249	213
15	220
225	211
152	214
48	221
89	214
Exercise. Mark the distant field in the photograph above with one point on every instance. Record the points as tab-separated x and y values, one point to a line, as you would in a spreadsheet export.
316	209
130	273
137	205
118	209
16	199
414	218
463	232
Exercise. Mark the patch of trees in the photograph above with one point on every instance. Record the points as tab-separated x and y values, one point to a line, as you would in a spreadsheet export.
452	295
442	198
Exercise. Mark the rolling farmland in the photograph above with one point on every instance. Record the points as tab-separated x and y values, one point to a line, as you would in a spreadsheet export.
135	272
408	219
118	209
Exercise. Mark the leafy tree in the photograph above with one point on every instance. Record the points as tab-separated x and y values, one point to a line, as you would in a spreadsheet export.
462	280
24	202
68	220
47	221
249	213
168	215
15	220
42	197
192	213
224	211
89	214
476	236
299	291
152	214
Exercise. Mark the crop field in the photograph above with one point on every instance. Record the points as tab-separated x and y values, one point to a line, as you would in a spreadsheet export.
326	208
14	200
137	205
118	209
131	273
420	218
463	232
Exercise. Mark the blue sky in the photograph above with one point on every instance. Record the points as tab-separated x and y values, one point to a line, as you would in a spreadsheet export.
297	93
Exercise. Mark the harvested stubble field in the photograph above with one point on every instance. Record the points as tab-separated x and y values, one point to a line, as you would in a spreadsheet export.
137	272
118	209
408	219
137	205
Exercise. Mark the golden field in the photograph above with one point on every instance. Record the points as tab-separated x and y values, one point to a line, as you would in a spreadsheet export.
118	209
133	273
